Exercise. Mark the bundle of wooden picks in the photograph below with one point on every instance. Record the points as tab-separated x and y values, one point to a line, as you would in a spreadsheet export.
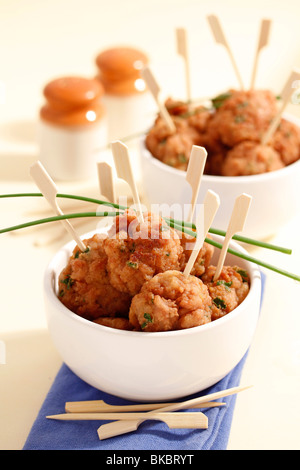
127	418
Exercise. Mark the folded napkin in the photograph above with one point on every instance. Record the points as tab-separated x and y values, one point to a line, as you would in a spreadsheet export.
48	434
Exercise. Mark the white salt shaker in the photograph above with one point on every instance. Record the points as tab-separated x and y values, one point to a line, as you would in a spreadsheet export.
129	104
72	127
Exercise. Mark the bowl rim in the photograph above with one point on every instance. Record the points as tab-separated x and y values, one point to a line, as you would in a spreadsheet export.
49	293
225	179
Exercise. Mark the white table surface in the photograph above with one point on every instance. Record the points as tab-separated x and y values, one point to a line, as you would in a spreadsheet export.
42	40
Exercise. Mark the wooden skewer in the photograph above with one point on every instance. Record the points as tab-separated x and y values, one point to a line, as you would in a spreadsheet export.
195	420
106	181
121	427
194	174
220	38
155	90
262	42
286	94
203	224
48	188
182	50
99	406
236	224
124	171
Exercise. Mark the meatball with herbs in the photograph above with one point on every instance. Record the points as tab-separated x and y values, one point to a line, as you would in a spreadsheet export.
171	301
228	291
136	251
173	149
286	141
244	115
204	256
84	286
251	158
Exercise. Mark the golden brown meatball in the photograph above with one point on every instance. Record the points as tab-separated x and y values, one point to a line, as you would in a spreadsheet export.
228	291
119	323
204	256
251	158
173	149
171	301
286	141
245	115
84	286
137	251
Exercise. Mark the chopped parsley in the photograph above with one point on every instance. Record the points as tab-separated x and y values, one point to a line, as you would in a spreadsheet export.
78	252
227	285
182	158
68	281
243	274
219	303
218	101
148	319
239	119
132	265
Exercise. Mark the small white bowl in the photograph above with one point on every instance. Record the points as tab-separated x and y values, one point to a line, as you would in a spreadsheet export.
151	366
275	195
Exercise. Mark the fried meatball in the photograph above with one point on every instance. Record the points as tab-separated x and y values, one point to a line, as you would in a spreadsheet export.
251	158
245	115
286	141
228	291
119	323
204	256
84	286
137	251
171	301
173	149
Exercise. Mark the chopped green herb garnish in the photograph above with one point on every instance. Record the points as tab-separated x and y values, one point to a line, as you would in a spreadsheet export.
148	319
218	101
168	254
243	273
132	249
132	265
227	285
77	254
61	293
243	104
239	118
68	281
219	303
182	158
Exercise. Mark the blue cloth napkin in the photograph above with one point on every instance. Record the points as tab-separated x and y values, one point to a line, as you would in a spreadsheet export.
49	434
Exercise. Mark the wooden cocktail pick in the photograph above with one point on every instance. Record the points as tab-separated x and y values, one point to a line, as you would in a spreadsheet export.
100	406
262	42
106	181
285	95
203	224
194	174
182	50
154	88
194	420
49	190
124	171
121	427
236	224
220	39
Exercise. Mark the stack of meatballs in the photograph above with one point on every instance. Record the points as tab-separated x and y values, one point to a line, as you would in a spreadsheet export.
231	130
132	278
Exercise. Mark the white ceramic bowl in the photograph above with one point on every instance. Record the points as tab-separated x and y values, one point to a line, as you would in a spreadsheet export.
275	195
151	366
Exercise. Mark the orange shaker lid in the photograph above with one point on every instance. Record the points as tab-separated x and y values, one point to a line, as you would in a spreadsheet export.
73	101
70	92
120	68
